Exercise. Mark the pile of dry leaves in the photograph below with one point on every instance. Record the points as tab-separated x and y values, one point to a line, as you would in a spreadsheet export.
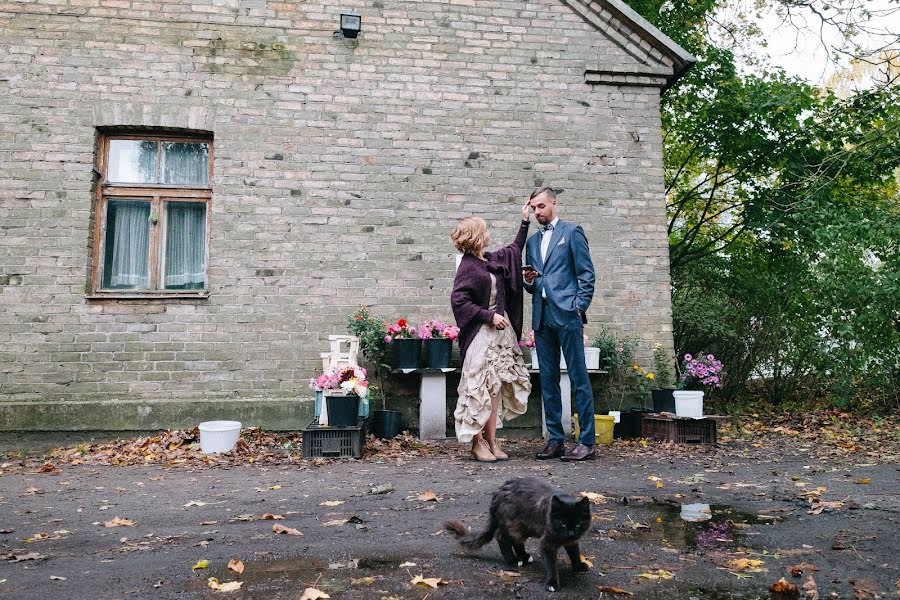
183	446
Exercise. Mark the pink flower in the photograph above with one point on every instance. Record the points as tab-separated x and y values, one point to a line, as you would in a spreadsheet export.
388	339
688	357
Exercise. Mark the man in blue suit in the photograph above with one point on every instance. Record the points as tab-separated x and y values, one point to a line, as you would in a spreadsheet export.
562	285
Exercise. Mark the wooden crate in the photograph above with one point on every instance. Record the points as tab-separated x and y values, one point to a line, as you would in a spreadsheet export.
680	430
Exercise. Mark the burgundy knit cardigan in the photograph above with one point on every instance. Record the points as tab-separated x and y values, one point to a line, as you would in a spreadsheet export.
471	294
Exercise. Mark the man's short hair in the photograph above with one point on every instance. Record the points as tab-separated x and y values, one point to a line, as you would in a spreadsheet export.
543	190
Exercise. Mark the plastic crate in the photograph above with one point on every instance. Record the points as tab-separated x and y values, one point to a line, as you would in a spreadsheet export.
679	430
333	442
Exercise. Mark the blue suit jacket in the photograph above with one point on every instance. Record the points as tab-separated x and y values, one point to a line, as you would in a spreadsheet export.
567	274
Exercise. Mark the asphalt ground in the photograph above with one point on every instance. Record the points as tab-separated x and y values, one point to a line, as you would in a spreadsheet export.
371	526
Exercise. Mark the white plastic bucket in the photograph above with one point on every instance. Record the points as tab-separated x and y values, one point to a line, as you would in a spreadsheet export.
592	358
536	366
616	414
688	404
219	436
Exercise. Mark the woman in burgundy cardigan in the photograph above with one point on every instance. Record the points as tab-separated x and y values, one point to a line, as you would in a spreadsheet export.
487	303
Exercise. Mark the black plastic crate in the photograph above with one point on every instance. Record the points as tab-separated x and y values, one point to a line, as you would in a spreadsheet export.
333	442
679	429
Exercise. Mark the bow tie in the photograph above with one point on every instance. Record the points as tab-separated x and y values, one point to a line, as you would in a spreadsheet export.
547	227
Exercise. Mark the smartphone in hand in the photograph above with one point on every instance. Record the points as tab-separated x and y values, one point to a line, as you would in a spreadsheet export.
528	268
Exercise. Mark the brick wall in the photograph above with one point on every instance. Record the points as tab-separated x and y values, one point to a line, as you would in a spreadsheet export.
338	174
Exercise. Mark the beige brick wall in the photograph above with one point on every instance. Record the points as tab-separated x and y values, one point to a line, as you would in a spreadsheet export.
338	174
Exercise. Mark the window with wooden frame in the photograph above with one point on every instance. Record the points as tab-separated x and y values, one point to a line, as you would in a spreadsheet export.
152	216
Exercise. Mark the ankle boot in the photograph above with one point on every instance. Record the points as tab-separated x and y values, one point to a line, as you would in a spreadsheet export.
482	452
499	454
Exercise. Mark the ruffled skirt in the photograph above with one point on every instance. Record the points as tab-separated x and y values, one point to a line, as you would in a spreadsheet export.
493	367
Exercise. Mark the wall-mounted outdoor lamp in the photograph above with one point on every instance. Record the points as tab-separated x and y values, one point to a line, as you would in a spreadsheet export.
350	25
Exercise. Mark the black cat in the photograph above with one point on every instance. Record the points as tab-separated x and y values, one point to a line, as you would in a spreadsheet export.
528	507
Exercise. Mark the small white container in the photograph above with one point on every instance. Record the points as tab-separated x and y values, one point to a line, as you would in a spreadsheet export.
688	403
592	358
536	366
616	414
219	436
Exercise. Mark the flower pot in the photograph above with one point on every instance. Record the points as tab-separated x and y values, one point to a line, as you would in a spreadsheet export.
663	400
386	424
406	351
689	403
342	410
437	353
632	420
592	358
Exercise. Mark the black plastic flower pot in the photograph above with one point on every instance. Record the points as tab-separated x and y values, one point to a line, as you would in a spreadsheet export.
342	410
407	353
633	421
437	353
386	423
664	400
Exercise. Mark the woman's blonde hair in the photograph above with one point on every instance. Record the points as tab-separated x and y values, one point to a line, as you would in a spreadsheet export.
469	235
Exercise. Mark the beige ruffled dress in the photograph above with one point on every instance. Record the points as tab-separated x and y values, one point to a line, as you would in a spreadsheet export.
493	366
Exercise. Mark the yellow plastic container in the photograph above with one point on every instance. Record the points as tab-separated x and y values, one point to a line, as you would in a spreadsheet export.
603	428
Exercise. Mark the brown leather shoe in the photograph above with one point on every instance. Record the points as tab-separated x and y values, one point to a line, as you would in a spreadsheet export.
498	453
551	450
579	453
482	452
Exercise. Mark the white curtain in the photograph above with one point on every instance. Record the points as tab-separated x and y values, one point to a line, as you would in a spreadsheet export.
185	163
186	245
128	242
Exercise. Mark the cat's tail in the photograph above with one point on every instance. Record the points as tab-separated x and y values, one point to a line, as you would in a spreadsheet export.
468	539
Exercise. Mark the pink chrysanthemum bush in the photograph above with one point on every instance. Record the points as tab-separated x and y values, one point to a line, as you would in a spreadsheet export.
432	329
701	371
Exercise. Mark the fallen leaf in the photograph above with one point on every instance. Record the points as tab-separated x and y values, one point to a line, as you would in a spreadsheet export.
194	503
362	580
863	481
429	496
431	582
236	565
279	528
783	586
274	487
614	590
745	564
658	574
117	522
313	594
244	517
271	517
231	586
407	564
797	570
594	498
589	564
384	488
334	523
201	564
331	503
208	522
810	589
57	578
48	467
22	557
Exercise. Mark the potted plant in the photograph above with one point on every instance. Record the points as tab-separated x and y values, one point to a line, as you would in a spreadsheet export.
438	340
406	342
345	392
663	393
372	334
697	373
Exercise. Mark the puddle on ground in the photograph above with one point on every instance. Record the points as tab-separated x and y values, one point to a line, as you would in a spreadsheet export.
726	527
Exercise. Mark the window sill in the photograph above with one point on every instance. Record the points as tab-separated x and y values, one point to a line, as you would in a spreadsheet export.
150	295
